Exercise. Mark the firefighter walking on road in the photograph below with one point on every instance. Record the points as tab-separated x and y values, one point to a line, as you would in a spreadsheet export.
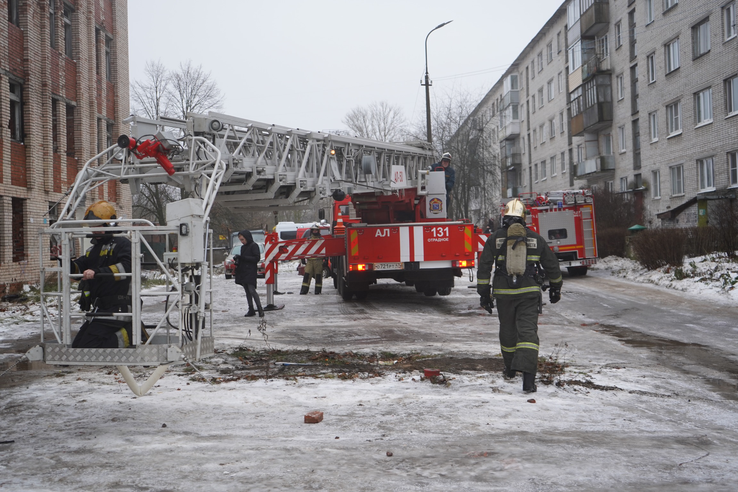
519	256
313	267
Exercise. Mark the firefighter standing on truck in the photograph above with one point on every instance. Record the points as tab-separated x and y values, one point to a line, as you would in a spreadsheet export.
518	254
103	290
313	266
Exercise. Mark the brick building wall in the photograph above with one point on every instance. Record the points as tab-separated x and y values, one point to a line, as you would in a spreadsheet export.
64	79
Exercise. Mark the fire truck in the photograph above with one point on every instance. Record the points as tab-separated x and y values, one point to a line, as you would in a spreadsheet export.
566	220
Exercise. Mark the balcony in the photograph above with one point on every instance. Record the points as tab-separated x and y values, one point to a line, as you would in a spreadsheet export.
510	130
577	125
595	19
597	117
594	66
511	97
599	164
511	160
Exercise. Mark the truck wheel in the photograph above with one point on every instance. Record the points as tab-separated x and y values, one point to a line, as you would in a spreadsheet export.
577	271
444	291
361	295
430	292
419	287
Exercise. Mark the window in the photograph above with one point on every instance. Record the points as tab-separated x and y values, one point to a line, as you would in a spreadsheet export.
703	107
16	112
533	69
701	38
535	138
522	144
580	153
609	185
624	184
558	42
533	103
13	17
52	24
705	173
669	4
649	11
540	97
108	58
655	184
732	158
552	128
550	52
620	83
68	31
542	132
674	118
18	241
572	13
672	55
70	130
563	162
535	172
553	165
561	122
653	126
677	180
55	125
551	90
540	61
731	95
561	82
575	56
621	138
651	66
618	35
607	144
603	47
543	170
729	22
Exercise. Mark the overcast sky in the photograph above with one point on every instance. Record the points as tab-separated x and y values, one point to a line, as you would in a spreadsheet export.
307	63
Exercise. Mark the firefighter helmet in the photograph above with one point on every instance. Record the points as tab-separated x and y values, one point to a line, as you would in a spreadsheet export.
446	157
100	210
315	228
515	208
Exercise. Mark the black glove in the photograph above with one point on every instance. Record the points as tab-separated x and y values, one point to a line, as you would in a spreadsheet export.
236	259
554	293
487	303
484	290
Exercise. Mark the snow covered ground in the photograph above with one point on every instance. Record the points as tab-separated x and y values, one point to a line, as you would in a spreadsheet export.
617	421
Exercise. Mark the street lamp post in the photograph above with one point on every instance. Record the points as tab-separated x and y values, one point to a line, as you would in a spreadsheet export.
427	85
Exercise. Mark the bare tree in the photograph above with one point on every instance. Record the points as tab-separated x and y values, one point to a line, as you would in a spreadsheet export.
193	91
150	202
378	121
150	97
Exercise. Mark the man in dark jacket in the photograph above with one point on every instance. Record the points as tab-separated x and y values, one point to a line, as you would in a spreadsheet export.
518	254
449	173
104	290
246	267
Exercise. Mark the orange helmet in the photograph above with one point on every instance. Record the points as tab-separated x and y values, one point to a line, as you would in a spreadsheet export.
101	210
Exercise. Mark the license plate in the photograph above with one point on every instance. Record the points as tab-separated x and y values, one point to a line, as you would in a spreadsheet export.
388	266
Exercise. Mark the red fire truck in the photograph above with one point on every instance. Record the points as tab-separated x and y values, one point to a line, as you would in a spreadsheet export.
403	236
566	219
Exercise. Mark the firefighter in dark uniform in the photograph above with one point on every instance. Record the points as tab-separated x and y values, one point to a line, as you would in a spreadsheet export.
103	290
313	266
519	256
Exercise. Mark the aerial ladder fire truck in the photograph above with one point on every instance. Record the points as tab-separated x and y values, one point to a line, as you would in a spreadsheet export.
403	232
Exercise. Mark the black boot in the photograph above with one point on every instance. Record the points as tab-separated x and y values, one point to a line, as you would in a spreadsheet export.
529	382
305	285
250	313
509	373
318	284
261	312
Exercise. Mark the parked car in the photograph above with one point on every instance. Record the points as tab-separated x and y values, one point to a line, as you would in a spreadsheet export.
230	264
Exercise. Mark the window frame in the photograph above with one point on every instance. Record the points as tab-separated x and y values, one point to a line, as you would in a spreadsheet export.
656	184
67	14
622	141
651	67
701	38
620	86
618	34
676	177
731	95
14	12
623	184
671	53
703	107
551	89
563	162
706	173
650	12
731	159
729	21
52	24
15	113
670	4
552	165
674	119
653	126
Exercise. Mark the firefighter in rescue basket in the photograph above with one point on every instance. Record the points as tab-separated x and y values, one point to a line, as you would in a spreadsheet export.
521	259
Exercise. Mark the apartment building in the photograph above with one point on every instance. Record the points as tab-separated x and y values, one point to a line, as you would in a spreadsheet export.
63	96
648	105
